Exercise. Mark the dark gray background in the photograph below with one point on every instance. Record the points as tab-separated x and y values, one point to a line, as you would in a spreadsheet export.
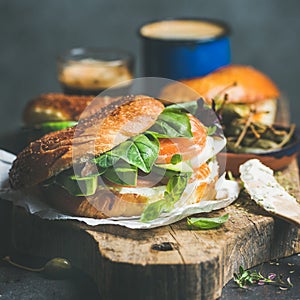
266	34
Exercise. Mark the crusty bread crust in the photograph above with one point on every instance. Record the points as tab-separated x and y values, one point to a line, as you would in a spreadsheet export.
242	84
61	107
57	151
105	203
101	205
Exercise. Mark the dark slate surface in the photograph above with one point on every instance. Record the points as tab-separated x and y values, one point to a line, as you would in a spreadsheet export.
265	34
17	284
287	267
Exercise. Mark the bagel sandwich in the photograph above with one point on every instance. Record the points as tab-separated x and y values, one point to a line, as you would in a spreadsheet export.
239	90
133	158
56	111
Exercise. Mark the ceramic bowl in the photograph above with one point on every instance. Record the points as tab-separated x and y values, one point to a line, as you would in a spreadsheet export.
276	160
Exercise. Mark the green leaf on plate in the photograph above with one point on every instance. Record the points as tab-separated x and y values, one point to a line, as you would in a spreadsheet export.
207	223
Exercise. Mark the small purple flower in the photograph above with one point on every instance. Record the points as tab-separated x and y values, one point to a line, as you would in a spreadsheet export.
261	282
272	276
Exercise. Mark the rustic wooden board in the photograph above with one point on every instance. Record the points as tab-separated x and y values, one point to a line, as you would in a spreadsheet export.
124	264
198	264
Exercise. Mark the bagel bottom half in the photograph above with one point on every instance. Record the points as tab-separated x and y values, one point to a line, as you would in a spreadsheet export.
105	203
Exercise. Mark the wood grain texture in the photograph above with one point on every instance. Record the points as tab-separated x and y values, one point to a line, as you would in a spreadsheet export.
124	264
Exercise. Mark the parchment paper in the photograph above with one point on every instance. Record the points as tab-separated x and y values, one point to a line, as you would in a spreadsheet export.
227	193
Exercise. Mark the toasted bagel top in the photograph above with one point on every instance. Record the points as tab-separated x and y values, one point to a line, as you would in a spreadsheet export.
94	135
242	84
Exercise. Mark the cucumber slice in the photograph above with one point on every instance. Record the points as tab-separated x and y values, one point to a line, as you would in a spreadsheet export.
54	126
182	167
122	174
78	186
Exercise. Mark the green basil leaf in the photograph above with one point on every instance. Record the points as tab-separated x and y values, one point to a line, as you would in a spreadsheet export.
106	160
122	173
140	151
189	107
153	210
176	186
174	190
206	223
171	124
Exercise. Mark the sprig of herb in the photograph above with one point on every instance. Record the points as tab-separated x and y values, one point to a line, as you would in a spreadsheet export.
245	278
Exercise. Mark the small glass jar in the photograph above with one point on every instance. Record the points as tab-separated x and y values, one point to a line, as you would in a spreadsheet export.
90	71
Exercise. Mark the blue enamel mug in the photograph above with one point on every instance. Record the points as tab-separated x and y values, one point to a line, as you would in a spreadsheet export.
184	48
